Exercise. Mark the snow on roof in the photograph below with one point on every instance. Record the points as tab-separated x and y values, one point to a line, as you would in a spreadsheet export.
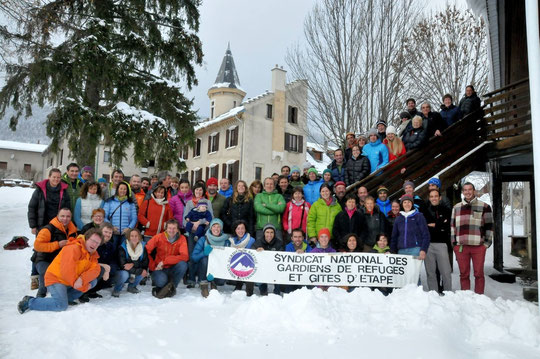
319	148
320	166
21	146
253	99
139	114
233	112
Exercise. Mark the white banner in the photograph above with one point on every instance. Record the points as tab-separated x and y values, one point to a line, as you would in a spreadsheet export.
328	269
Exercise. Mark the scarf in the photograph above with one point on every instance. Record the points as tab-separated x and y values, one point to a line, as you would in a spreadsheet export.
196	200
240	242
407	214
289	219
350	212
136	253
216	241
328	201
122	199
162	202
395	146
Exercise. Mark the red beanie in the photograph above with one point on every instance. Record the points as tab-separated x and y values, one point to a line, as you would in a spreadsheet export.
325	231
211	181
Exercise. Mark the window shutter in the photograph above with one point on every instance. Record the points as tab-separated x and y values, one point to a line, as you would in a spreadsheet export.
223	170
300	144
289	114
207	172
195	149
217	142
236	170
287	141
236	130
192	177
227	138
209	144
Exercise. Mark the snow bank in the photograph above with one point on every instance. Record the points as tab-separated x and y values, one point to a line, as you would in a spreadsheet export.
409	323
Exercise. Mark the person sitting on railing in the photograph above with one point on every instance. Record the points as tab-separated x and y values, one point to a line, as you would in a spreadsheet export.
433	121
396	148
449	112
375	151
470	103
405	119
415	136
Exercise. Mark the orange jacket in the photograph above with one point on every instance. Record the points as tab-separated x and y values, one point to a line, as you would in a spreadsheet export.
73	262
43	240
139	197
166	252
150	211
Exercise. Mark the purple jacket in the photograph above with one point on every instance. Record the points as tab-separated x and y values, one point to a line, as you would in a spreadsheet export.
409	232
323	250
177	204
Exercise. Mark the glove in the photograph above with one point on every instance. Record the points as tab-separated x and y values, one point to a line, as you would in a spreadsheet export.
207	250
148	224
209	277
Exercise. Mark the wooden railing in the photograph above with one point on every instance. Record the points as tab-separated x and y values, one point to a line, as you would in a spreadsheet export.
507	112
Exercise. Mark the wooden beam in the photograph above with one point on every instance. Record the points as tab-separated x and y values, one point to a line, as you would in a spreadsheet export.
524	139
497	206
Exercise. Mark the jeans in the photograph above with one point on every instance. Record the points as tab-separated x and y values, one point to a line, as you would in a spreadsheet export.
476	254
193	266
61	296
414	251
41	269
122	276
203	269
173	274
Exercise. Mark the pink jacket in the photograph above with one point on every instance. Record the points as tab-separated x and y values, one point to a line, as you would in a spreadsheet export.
177	204
294	211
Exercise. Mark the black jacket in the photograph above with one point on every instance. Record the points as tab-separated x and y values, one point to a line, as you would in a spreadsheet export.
138	265
356	169
470	104
440	215
46	202
232	212
434	122
287	194
56	236
375	223
414	137
275	245
344	225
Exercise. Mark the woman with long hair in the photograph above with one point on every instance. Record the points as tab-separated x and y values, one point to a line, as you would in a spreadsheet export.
255	188
89	200
396	148
239	206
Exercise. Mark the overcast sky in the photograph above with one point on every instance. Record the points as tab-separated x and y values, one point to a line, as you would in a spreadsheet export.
260	33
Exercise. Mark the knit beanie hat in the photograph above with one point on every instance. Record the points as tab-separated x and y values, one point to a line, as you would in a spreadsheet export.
325	231
381	122
102	180
212	181
340	183
327	171
405	114
408	183
314	170
391	129
295	169
382	189
373	131
307	165
87	169
269	226
406	197
436	181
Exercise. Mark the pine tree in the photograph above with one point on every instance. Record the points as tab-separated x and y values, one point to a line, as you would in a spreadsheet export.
112	70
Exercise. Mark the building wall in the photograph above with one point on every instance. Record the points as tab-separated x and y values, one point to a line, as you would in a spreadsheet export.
16	159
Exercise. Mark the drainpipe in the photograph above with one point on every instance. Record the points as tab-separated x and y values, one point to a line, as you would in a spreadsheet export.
241	167
533	49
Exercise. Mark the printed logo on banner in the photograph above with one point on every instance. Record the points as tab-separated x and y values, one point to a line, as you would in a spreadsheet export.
242	265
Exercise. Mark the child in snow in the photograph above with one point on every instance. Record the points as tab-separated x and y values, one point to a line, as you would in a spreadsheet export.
381	245
199	213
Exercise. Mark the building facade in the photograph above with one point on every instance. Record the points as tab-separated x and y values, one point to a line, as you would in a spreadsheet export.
20	160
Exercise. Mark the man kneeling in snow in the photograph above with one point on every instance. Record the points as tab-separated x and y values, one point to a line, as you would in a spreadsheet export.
74	271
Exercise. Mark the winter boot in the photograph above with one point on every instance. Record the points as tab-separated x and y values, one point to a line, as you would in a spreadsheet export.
213	285
34	282
115	294
24	304
143	281
249	288
165	291
238	285
133	290
85	298
204	289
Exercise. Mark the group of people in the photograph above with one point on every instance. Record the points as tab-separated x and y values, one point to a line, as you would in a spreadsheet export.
93	235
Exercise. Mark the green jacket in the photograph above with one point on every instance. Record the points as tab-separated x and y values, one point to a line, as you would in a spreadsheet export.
74	192
217	204
298	183
321	216
269	207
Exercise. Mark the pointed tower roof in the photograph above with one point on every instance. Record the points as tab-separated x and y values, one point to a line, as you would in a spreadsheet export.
227	75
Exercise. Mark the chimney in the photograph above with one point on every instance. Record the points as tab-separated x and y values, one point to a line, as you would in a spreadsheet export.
278	79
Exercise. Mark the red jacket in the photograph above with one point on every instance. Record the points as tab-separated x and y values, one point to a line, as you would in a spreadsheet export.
166	252
391	156
296	216
151	211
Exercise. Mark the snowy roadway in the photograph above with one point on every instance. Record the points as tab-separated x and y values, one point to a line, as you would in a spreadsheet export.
410	323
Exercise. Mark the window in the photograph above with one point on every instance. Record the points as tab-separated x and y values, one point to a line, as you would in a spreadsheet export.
197	175
231	170
150	163
293	115
51	161
107	156
3	165
185	175
317	155
27	167
184	153
269	110
258	172
214	171
107	177
213	142
294	143
231	137
197	148
212	110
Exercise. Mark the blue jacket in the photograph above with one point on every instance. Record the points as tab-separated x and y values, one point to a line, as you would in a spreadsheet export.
409	232
450	114
120	214
337	175
377	153
290	247
311	190
385	206
198	251
226	193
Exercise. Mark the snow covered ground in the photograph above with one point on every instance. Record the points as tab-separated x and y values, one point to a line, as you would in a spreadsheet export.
410	323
